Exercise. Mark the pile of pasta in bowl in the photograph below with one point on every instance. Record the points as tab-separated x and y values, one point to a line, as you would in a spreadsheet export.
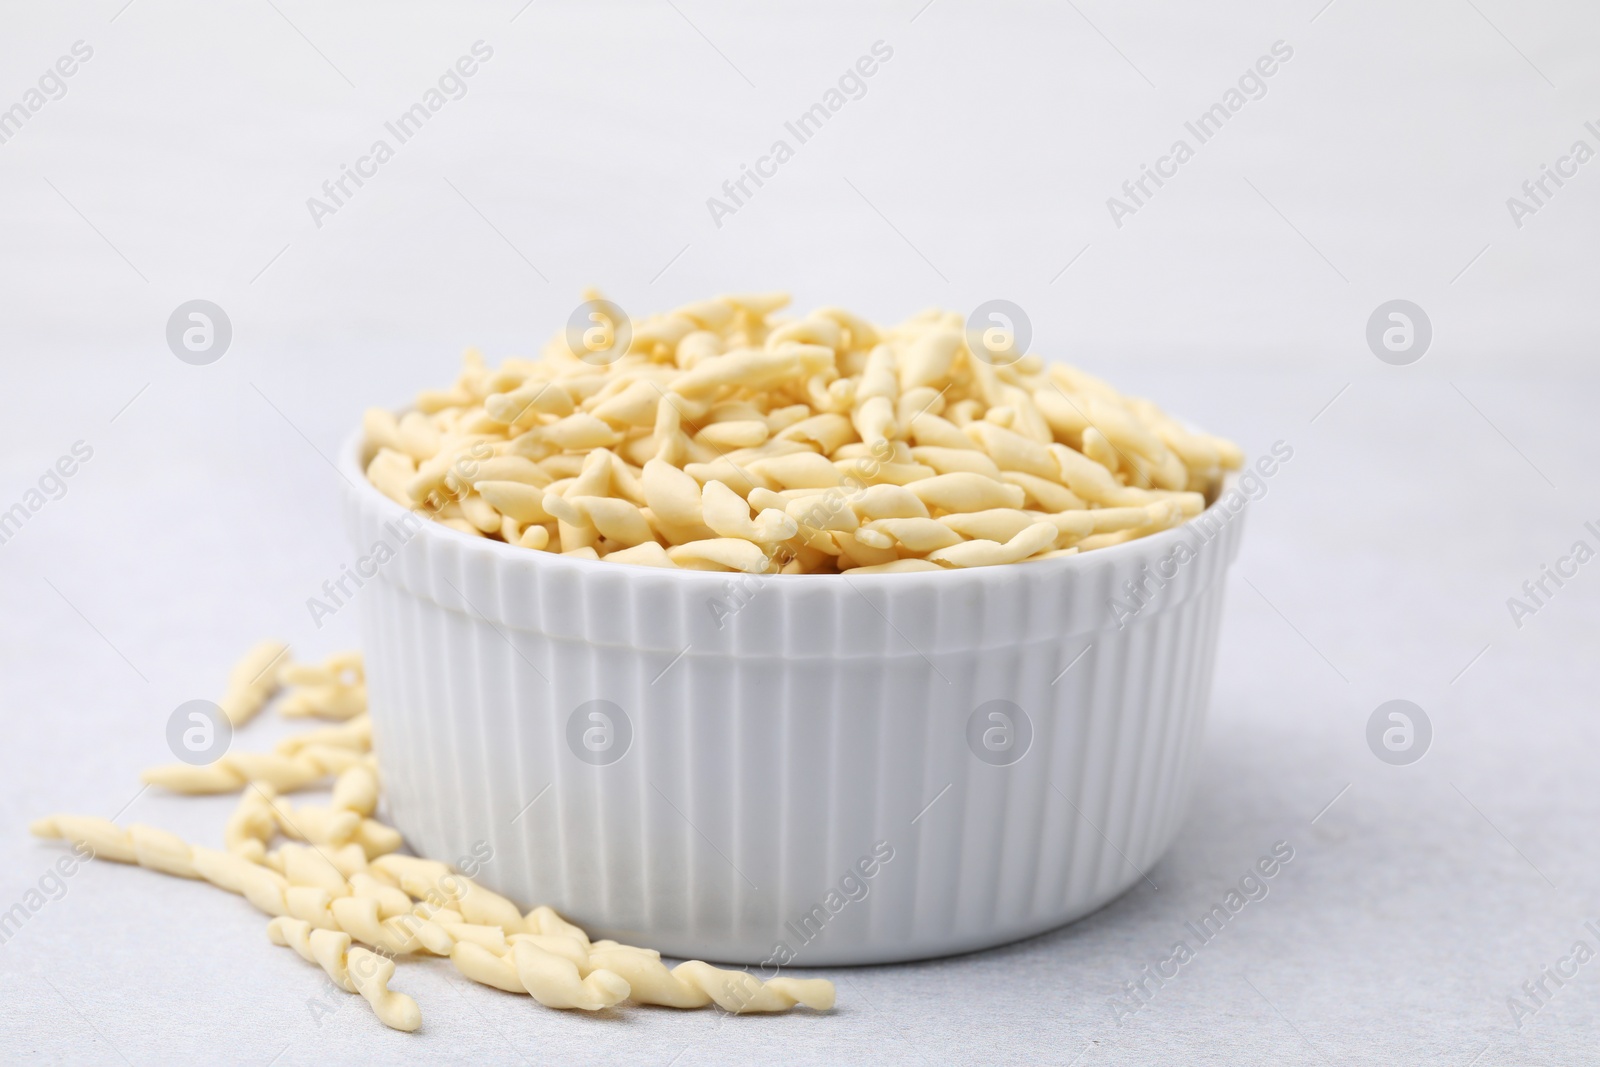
719	437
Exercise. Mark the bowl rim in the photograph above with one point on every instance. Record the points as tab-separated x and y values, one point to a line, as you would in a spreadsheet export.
1152	547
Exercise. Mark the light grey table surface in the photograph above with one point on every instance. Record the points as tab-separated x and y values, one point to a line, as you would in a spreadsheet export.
1378	566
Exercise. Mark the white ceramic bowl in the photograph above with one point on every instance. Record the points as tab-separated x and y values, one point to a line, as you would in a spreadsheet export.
794	769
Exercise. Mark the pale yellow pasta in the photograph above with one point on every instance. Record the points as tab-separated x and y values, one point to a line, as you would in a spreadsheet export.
919	536
618	521
885	501
391	471
722	553
252	825
723	424
798	470
739	433
950	460
965	491
728	515
823	511
1011	451
522	500
335	689
648	554
991	524
1042	492
899	566
352	968
354	734
354	909
230	772
252	682
1055	553
510	469
1032	539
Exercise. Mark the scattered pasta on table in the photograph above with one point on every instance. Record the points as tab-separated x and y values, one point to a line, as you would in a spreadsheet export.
340	894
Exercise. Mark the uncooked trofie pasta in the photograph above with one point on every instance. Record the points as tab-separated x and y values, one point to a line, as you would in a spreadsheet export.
719	438
341	896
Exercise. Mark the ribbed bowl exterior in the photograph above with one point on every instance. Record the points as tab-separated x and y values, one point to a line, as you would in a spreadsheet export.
790	776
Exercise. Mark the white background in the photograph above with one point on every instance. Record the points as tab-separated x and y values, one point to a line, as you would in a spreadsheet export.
977	165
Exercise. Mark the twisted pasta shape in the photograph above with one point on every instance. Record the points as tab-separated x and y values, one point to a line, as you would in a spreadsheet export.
252	682
347	884
551	978
252	824
692	984
714	411
342	822
352	968
482	933
695	984
334	689
284	772
354	734
271	891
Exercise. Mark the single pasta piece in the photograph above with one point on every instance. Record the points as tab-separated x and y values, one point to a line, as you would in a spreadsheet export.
229	773
253	681
352	968
335	689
